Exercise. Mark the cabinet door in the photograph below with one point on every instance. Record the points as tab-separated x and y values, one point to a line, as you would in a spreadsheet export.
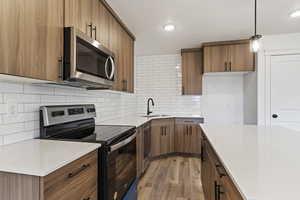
140	151
180	131
207	177
33	38
241	58
127	62
156	134
11	20
79	13
195	135
216	58
192	69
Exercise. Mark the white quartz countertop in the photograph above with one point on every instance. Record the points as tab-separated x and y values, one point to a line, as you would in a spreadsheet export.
138	120
41	157
263	161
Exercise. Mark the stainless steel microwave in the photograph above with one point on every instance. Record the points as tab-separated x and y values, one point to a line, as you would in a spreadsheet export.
87	63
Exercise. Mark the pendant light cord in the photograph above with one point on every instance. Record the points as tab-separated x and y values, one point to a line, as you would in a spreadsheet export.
255	18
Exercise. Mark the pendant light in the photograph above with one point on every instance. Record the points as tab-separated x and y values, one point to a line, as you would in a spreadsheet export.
255	39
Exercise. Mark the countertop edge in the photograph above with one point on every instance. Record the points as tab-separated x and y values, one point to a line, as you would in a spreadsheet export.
43	173
226	168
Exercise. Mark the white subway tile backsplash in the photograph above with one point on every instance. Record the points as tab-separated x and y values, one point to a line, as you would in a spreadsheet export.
11	87
17	137
160	77
20	103
34	89
6	129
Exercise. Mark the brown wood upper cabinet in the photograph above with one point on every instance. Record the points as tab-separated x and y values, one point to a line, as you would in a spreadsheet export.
98	20
31	38
231	56
192	70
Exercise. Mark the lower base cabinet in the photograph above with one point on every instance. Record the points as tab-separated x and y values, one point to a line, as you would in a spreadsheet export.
217	185
187	136
162	137
76	181
143	148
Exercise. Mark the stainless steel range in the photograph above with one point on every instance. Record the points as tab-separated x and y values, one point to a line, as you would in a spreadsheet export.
117	156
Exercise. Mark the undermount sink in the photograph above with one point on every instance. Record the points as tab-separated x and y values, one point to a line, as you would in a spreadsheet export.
151	116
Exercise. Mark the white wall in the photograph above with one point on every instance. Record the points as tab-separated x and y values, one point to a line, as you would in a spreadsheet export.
271	44
250	98
19	106
160	77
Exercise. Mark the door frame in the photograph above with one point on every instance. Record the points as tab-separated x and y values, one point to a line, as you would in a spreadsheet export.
264	83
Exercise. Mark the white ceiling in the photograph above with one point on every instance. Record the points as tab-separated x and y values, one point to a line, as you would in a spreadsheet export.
200	21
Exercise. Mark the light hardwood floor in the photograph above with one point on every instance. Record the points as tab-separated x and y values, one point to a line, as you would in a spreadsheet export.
174	178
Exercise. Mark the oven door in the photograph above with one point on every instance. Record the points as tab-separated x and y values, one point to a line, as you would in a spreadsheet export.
86	59
121	167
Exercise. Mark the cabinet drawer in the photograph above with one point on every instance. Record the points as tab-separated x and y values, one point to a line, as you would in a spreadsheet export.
189	121
161	122
76	181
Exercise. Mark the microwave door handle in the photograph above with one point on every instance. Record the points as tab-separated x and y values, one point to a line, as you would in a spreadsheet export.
123	143
110	77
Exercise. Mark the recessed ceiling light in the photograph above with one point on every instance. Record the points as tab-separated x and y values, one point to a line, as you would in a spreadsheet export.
169	27
295	14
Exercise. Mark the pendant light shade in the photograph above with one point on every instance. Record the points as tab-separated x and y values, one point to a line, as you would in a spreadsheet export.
255	43
255	39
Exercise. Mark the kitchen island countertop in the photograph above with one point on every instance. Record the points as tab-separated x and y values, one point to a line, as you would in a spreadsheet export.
262	161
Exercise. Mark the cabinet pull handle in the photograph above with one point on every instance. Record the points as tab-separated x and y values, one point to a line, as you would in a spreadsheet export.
226	69
191	130
219	192
216	190
87	198
90	26
183	90
188	121
73	174
230	66
161	131
95	30
61	67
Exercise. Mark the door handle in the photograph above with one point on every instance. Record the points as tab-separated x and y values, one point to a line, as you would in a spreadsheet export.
275	116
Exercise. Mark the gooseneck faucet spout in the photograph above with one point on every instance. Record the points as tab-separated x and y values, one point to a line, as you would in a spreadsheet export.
148	106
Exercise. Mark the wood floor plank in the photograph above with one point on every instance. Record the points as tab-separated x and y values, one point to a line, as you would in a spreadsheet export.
174	178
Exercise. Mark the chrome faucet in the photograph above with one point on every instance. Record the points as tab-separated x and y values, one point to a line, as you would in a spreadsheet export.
148	109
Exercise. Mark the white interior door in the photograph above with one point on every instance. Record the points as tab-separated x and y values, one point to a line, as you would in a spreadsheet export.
285	91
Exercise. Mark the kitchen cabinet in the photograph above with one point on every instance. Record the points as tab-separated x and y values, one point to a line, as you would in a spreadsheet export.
77	181
187	136
217	184
31	38
79	13
162	137
143	148
231	56
100	22
192	70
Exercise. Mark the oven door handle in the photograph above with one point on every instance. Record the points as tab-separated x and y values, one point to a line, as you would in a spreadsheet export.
123	143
